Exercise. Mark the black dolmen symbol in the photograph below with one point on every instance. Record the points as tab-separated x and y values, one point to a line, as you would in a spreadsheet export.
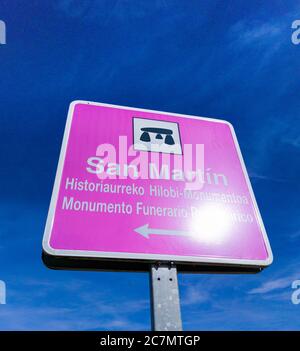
158	131
145	137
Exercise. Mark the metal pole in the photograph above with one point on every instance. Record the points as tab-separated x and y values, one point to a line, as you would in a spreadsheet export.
165	303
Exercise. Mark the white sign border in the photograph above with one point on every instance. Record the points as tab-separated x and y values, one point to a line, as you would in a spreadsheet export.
140	256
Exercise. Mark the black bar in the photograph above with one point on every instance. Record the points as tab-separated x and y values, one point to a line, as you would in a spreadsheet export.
90	341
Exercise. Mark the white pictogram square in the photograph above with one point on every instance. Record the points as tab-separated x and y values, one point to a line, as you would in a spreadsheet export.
156	136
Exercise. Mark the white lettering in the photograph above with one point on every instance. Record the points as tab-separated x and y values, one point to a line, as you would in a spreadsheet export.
296	34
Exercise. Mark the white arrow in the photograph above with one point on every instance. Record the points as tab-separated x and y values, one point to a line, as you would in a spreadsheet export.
145	231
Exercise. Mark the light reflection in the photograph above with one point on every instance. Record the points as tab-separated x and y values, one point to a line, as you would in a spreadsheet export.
211	223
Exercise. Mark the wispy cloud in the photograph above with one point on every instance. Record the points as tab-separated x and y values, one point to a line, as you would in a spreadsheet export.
294	141
83	307
295	235
279	282
257	176
51	318
272	285
249	32
195	295
262	40
104	10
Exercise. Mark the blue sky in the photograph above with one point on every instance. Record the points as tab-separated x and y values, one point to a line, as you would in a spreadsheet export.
232	60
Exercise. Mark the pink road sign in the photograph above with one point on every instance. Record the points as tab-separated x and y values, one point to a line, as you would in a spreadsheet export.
136	184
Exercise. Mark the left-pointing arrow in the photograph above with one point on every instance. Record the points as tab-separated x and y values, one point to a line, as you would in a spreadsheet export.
145	231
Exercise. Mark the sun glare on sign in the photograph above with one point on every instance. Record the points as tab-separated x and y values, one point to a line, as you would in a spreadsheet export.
211	224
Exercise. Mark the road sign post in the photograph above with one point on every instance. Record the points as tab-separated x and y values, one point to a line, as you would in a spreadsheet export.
165	301
137	187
